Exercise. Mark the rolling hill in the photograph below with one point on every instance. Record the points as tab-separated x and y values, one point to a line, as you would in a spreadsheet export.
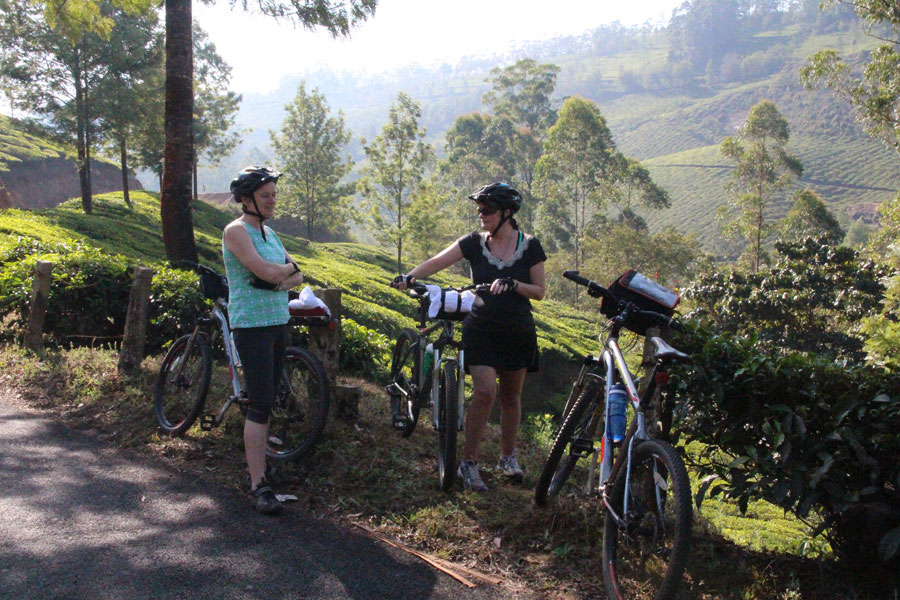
673	129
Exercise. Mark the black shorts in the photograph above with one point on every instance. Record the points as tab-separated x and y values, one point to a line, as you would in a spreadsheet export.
261	350
497	345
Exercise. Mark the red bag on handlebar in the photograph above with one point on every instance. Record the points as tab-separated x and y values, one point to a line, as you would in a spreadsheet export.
644	293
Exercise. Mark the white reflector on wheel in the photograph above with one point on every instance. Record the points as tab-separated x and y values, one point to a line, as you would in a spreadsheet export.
660	481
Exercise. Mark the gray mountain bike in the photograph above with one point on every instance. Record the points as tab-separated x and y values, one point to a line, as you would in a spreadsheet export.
301	400
642	481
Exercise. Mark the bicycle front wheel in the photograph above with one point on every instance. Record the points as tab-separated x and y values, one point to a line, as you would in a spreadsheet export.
578	429
645	552
405	376
301	406
448	424
182	384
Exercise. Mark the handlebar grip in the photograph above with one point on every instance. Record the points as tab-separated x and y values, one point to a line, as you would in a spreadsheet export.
574	276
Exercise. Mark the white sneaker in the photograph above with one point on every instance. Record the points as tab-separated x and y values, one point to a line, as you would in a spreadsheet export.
471	478
509	466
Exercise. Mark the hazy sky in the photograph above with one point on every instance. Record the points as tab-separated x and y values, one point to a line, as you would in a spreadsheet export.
261	50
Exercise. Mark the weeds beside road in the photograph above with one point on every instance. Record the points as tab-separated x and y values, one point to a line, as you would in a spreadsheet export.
364	473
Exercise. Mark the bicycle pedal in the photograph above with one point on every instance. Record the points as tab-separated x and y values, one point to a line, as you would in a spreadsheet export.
581	447
399	422
208	422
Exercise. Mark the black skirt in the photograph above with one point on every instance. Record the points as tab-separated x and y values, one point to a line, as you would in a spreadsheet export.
495	344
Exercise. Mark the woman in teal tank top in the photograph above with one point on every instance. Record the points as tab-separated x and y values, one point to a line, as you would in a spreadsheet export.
259	272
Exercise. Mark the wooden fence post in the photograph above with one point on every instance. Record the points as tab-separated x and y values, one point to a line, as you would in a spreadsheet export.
40	299
132	351
325	343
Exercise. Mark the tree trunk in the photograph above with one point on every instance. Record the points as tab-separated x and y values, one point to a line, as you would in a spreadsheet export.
123	161
195	196
175	200
81	144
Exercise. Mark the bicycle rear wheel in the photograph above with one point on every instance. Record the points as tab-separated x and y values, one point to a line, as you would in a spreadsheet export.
578	428
301	406
645	553
182	384
406	371
448	424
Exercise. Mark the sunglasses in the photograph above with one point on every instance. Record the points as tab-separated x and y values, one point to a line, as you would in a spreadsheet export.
487	210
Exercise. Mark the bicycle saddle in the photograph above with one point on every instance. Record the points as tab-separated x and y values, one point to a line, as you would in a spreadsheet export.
666	352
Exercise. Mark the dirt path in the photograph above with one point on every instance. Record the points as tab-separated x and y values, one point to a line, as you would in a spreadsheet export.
80	520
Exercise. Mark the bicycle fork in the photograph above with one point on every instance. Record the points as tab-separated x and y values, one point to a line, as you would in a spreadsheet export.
460	387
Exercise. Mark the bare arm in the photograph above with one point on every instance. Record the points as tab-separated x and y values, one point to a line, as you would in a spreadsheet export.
296	278
446	257
534	290
238	242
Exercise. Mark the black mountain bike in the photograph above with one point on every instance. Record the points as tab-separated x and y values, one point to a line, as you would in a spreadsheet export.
643	483
417	361
301	401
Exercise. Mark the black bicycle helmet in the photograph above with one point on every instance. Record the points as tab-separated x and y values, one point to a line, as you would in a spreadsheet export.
248	181
251	179
503	195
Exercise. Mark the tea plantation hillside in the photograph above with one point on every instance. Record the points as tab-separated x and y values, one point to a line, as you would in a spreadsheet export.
672	126
676	134
362	272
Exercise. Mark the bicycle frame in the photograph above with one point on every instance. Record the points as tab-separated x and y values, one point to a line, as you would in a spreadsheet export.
219	313
611	363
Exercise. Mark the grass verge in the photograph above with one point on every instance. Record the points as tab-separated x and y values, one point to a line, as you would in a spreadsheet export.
363	472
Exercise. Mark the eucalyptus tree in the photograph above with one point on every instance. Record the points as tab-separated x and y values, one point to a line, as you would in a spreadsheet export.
126	99
579	163
764	169
522	94
809	217
476	153
215	106
309	152
175	203
396	164
54	74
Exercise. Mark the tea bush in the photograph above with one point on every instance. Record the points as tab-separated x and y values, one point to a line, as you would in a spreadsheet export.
364	351
811	431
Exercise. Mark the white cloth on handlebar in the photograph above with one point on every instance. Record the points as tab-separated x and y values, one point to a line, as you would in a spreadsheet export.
452	301
308	301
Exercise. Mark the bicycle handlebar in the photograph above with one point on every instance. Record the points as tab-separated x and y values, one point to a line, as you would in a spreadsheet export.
198	267
596	290
420	289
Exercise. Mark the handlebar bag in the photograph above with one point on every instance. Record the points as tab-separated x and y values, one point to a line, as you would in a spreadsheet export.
448	304
644	293
213	286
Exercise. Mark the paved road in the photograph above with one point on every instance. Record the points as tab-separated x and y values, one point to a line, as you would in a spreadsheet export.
79	520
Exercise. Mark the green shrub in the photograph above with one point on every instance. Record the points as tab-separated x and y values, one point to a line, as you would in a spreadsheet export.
88	293
783	402
364	351
812	299
175	305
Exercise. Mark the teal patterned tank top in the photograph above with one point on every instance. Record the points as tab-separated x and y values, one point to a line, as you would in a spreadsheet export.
247	305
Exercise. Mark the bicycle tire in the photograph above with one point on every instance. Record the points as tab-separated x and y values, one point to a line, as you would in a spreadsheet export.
557	468
406	370
655	544
301	406
182	384
448	427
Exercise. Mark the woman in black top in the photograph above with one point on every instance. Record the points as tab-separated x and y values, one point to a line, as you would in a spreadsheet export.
499	334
